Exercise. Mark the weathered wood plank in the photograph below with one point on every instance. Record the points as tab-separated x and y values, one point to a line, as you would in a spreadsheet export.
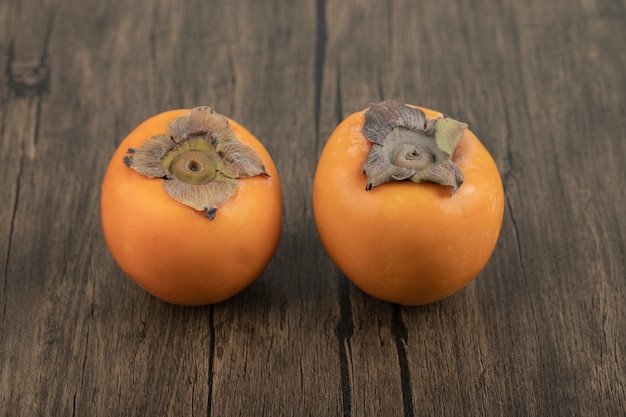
276	343
32	326
356	54
547	173
79	338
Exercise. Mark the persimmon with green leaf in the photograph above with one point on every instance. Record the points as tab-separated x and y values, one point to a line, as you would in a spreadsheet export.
408	203
191	206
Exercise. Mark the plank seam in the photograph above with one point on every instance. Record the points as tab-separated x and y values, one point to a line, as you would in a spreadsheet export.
401	335
211	360
320	55
344	332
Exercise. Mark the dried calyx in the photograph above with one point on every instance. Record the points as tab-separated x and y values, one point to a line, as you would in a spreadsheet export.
199	160
407	146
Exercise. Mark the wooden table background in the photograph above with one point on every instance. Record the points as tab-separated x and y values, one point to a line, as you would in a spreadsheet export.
542	330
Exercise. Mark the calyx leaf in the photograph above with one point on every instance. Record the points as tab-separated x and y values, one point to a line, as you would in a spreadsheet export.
448	133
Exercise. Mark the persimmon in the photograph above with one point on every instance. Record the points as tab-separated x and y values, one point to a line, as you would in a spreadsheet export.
191	206
407	202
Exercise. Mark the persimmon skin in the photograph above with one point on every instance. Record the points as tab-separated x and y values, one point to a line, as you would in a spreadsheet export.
173	251
402	242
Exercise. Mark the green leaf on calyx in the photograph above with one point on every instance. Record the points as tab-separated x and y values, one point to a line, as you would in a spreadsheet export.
448	133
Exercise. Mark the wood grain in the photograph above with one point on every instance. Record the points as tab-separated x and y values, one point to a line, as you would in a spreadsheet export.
541	330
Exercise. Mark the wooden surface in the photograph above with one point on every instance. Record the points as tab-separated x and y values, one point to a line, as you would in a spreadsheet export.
541	331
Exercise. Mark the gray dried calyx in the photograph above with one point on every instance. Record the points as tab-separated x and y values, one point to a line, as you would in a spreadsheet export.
199	160
407	146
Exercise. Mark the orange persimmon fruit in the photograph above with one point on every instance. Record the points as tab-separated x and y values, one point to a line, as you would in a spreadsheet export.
185	214
398	235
